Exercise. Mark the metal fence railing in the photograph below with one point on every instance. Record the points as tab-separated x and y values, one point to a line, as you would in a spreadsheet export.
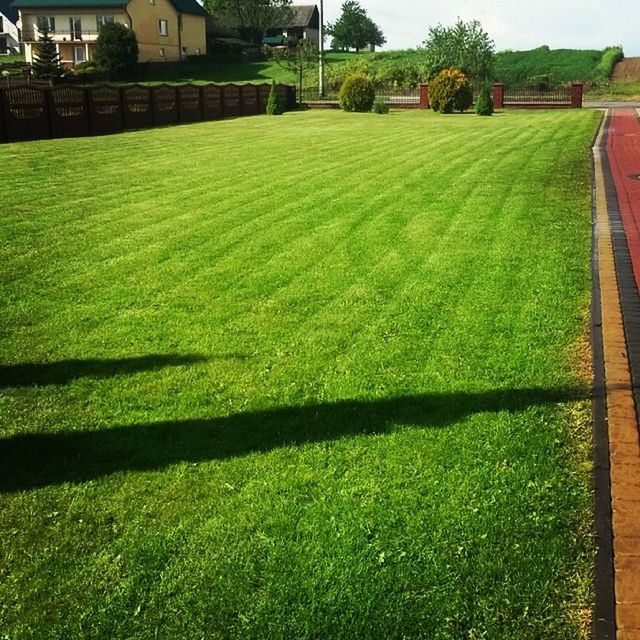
537	95
391	95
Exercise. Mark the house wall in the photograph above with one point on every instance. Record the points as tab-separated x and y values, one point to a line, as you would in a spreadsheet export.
312	34
9	33
151	44
194	34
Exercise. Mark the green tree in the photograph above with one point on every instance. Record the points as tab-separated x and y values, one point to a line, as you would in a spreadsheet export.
465	46
274	104
354	29
251	17
299	56
46	62
117	49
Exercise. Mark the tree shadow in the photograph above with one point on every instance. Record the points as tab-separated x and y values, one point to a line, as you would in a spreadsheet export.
32	374
40	459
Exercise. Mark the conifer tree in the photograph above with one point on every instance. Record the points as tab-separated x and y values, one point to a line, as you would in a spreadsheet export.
46	62
274	104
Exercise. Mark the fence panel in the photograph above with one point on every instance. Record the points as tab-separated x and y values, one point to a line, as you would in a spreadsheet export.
137	107
165	105
212	102
26	114
189	104
29	112
69	114
249	100
231	101
105	110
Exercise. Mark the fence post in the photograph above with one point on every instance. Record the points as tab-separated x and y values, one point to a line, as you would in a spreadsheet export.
123	122
48	107
152	107
3	131
576	95
424	96
87	108
498	95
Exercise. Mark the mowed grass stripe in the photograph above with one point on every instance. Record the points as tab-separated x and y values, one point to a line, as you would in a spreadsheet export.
382	438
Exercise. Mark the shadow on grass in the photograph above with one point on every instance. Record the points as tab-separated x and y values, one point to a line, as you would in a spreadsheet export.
36	460
31	374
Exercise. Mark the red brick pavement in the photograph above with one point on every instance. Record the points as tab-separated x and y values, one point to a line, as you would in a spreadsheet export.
621	336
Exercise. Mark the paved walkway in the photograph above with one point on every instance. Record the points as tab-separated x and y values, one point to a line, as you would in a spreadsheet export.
617	352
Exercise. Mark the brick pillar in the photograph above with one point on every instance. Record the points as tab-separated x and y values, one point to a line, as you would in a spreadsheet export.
498	95
576	95
424	96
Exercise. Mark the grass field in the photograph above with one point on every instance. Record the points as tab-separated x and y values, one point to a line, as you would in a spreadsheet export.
315	376
563	65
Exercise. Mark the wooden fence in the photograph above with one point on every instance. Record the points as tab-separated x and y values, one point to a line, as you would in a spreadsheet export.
62	111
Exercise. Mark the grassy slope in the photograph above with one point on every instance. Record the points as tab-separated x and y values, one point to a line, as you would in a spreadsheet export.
370	431
516	67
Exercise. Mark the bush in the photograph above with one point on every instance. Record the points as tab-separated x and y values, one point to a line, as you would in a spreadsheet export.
484	104
380	106
274	104
357	94
610	58
117	49
90	71
450	91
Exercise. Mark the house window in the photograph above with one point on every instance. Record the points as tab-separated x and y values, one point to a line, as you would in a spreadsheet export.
75	28
1	25
46	23
102	20
163	27
79	55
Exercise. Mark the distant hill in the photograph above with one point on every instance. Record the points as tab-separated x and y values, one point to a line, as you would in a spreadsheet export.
562	65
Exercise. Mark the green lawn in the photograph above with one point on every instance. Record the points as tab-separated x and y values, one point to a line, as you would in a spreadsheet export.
303	377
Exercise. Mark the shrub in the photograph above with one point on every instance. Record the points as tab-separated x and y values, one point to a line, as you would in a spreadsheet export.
450	91
357	94
117	49
610	58
484	103
90	71
380	106
274	104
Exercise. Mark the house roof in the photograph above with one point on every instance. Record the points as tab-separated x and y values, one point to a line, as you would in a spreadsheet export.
183	6
300	15
7	10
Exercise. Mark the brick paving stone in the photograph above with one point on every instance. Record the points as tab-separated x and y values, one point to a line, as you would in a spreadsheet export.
628	617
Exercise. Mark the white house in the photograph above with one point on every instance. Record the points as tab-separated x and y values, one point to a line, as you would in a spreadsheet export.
9	34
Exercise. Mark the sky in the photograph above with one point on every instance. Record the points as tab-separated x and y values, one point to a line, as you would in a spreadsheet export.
512	24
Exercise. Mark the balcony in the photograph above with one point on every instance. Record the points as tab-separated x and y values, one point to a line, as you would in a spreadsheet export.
67	35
